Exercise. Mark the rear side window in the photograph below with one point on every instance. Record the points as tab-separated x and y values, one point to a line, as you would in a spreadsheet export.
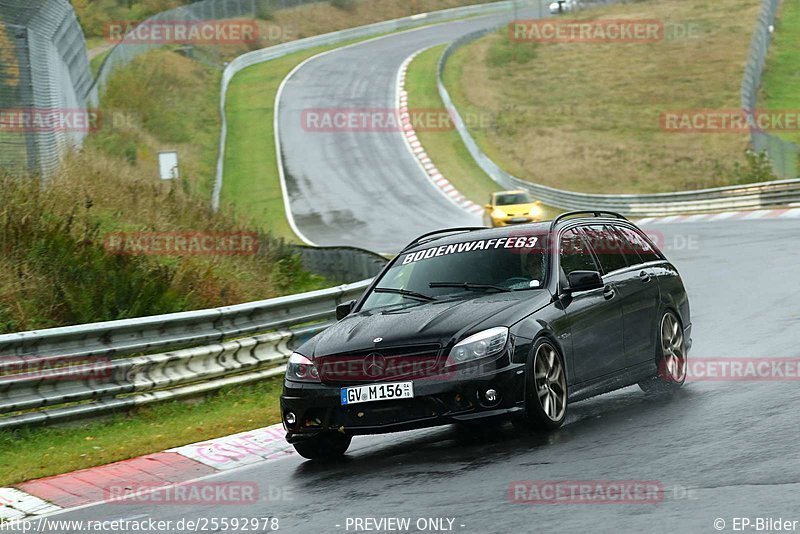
607	246
629	249
640	244
574	254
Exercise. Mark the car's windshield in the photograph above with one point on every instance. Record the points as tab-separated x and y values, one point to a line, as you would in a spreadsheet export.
475	267
510	199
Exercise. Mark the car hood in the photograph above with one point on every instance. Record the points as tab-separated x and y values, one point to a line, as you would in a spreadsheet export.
435	322
517	209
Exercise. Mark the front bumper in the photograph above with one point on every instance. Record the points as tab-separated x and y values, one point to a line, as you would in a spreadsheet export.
317	407
498	222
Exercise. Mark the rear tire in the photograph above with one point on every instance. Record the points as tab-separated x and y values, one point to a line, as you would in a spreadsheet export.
546	388
327	446
670	357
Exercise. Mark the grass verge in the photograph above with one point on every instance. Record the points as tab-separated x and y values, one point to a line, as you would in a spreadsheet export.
34	453
587	116
782	74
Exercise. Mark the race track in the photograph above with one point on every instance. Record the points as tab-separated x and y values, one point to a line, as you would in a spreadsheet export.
720	449
363	188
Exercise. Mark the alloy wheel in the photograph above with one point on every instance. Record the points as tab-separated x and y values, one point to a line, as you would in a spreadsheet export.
673	362
551	382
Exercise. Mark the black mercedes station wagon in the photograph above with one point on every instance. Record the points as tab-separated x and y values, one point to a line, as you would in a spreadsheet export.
467	324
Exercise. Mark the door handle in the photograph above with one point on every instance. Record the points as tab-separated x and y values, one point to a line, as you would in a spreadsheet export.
609	293
644	276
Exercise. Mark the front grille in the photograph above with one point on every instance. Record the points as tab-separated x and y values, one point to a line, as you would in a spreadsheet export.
380	365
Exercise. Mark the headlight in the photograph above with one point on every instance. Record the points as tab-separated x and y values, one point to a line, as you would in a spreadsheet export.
480	345
301	369
498	214
536	211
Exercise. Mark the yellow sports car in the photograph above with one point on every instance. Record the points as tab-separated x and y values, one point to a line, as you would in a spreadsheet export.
511	207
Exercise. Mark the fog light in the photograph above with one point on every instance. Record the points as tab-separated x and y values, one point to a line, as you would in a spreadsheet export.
290	418
490	395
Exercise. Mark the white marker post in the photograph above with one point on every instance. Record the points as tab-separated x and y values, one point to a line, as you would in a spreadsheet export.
168	165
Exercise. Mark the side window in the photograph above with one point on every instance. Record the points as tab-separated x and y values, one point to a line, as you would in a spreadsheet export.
630	249
607	246
640	244
574	254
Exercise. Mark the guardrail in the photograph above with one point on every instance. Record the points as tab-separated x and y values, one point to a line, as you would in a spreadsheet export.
207	350
736	197
274	52
342	265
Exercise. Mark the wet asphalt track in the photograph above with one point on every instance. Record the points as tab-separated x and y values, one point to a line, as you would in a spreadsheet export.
720	449
361	188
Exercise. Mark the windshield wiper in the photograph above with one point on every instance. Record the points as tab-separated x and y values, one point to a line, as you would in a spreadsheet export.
405	293
469	286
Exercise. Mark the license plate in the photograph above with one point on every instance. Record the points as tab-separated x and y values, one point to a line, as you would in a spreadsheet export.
519	220
377	392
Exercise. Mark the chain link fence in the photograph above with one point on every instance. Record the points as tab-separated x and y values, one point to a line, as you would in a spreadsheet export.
44	83
782	153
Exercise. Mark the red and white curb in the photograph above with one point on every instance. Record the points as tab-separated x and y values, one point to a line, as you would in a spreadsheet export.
415	146
16	504
793	213
240	449
180	465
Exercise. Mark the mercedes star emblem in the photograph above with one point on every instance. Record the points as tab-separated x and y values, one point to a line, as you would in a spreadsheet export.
374	364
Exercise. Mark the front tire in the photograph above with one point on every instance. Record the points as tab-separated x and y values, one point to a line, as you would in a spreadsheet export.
546	388
670	358
327	446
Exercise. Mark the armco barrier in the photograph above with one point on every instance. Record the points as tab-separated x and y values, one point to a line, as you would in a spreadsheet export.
738	197
205	350
341	264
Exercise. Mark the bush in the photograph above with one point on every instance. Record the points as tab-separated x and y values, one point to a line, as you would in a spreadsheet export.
756	168
93	15
346	5
63	274
507	51
265	10
55	269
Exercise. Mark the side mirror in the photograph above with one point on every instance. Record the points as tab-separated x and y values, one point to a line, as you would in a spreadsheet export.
584	280
343	310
